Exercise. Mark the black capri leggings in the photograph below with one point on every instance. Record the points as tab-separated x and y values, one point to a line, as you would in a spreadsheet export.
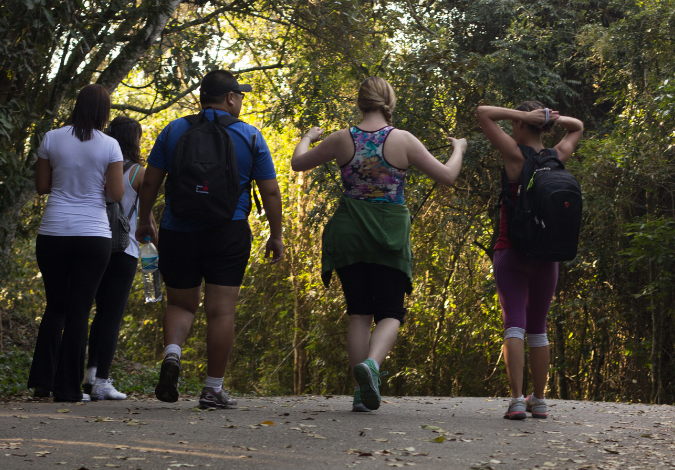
71	268
374	289
111	301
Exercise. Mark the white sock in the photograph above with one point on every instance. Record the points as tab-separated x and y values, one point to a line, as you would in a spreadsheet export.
216	383
377	366
91	375
99	381
172	348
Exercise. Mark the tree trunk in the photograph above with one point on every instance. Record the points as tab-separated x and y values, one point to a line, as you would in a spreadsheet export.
561	364
299	245
655	357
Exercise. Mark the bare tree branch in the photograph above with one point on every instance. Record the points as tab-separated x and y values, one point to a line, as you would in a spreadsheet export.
417	19
183	94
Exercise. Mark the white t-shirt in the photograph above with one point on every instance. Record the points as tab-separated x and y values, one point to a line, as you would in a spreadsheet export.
76	204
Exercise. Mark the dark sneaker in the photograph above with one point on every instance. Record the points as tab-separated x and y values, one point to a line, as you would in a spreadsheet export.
42	393
368	378
167	387
212	399
357	405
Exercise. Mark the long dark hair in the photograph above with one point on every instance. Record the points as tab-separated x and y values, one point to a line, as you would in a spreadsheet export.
127	132
531	106
92	111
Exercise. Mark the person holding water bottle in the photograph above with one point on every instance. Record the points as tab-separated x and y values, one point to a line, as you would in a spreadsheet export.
152	282
113	291
211	160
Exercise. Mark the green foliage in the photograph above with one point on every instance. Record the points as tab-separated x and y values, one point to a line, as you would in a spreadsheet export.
608	63
14	368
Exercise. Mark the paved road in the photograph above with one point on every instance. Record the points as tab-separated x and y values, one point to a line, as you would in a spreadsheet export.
314	432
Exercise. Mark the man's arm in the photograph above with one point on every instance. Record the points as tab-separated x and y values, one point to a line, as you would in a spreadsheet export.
146	200
271	200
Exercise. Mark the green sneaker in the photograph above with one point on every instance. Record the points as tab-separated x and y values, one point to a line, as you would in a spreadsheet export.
358	404
368	378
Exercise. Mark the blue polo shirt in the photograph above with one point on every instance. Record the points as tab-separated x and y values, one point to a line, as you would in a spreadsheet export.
161	157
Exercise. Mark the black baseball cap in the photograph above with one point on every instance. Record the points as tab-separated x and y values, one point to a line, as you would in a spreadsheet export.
221	90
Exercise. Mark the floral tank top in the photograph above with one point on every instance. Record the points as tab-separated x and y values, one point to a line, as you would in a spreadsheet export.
368	176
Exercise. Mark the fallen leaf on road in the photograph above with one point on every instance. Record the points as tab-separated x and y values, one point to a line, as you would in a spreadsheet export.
495	461
123	447
396	432
111	465
267	423
381	440
230	426
61	463
183	442
429	427
517	435
21	417
252	426
438	439
244	457
63	410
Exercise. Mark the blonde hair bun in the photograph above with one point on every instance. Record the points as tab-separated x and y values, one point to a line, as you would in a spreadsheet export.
376	94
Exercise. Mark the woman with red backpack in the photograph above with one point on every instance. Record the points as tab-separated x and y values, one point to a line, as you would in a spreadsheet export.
525	285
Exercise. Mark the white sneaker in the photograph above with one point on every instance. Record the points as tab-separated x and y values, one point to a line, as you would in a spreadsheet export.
85	398
516	409
106	391
536	406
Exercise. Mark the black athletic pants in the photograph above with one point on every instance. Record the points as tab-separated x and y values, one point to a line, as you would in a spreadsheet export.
111	301
71	268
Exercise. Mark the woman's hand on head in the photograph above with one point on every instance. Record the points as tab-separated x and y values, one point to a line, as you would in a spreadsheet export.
537	117
314	133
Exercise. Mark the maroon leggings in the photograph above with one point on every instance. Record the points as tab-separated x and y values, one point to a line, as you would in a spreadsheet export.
525	287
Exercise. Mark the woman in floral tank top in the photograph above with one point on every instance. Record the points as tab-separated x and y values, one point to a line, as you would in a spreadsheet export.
367	241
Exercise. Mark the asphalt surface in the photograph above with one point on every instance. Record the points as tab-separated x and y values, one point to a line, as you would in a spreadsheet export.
311	432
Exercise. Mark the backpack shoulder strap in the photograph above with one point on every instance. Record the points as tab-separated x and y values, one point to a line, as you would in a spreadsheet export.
128	164
227	120
527	151
192	119
254	141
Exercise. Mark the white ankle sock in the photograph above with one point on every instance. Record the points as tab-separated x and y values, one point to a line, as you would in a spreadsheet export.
377	366
90	376
99	381
172	348
216	383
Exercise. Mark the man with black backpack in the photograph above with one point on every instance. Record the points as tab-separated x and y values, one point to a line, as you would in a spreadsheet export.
212	160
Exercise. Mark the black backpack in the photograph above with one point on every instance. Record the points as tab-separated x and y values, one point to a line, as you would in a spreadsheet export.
545	221
204	180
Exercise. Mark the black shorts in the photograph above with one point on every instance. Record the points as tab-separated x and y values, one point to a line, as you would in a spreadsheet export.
219	255
374	289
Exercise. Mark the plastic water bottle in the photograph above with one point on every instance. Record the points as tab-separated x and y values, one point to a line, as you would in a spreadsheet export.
151	278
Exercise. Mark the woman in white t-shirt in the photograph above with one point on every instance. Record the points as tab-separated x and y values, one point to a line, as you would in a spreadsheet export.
113	291
77	166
